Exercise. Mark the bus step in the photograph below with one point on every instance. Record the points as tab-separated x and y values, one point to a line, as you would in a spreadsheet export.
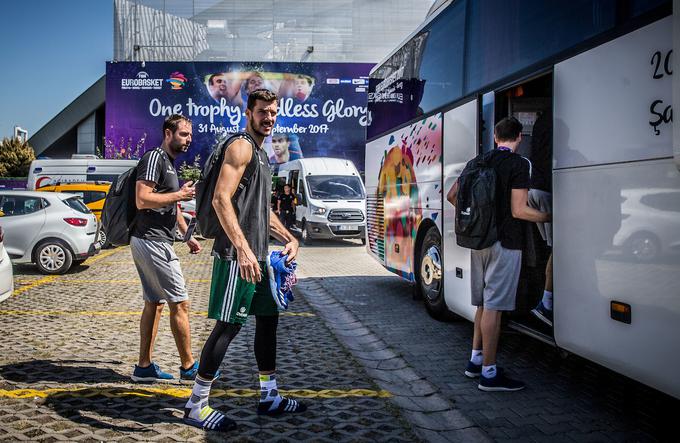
545	338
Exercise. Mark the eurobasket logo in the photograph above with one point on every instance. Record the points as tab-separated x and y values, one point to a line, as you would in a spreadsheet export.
177	80
141	81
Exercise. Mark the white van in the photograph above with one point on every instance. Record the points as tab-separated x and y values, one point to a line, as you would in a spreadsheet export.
331	198
50	171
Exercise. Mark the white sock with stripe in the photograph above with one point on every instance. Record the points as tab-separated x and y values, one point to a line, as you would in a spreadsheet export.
197	408
269	392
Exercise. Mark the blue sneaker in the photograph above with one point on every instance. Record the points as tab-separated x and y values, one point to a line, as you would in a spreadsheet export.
499	383
281	278
150	374
472	370
190	374
544	314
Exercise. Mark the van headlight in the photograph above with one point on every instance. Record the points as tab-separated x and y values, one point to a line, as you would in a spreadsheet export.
317	210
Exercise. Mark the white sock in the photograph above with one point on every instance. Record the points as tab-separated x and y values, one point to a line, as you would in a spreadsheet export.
199	397
269	391
489	371
476	357
547	300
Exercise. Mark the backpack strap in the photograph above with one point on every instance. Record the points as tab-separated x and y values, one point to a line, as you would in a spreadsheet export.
250	168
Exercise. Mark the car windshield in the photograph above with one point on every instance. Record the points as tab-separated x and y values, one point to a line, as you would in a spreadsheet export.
335	187
77	204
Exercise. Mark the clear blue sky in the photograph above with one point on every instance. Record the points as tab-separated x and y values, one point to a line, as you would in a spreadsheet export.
50	53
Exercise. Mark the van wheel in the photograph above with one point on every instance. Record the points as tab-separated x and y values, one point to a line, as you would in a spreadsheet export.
363	241
429	276
53	257
306	239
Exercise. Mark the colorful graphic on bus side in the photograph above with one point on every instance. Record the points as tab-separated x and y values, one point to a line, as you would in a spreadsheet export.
407	185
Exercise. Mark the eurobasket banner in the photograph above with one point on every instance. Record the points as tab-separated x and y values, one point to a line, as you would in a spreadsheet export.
322	106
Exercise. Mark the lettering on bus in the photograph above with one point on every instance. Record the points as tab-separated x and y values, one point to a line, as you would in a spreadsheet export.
662	113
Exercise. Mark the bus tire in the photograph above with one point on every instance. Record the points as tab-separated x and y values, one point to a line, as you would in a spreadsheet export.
430	284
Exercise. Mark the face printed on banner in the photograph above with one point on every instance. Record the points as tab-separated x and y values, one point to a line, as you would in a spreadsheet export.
303	87
262	118
255	81
280	144
181	138
223	85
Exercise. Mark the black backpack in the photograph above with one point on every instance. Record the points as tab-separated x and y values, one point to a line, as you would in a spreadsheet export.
476	204
120	208
208	223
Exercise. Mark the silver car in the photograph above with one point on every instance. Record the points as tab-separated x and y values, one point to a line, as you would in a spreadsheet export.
52	230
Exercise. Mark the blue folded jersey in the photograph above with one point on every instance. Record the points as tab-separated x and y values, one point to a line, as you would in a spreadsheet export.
281	278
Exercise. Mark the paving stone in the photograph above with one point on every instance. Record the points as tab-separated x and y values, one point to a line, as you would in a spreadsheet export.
439	421
88	338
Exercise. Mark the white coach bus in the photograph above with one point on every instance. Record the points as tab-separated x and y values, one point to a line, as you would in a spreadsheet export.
599	78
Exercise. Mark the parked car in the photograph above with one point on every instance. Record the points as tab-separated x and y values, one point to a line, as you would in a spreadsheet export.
6	274
188	209
93	195
52	230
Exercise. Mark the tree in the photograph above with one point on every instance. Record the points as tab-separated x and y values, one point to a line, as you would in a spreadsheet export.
15	157
191	172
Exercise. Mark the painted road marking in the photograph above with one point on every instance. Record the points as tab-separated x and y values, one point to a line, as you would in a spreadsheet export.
122	392
51	278
126	313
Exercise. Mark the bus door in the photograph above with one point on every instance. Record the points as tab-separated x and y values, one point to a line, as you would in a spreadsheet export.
617	207
460	145
530	102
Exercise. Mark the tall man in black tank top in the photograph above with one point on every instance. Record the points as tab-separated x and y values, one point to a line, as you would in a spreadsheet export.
239	281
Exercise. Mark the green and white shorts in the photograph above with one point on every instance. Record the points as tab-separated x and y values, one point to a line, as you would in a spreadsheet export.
232	299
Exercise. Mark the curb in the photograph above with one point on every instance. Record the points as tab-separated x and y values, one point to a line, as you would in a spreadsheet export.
434	418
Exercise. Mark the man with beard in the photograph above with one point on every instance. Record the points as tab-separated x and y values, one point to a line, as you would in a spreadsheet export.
157	193
240	283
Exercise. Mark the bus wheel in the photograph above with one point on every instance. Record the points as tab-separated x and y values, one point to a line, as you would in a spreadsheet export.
430	283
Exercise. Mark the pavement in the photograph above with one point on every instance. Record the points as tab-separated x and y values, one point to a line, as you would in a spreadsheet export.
69	344
354	346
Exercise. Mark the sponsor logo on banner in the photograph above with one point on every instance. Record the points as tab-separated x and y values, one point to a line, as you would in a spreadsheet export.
332	81
141	81
360	89
345	81
358	81
177	81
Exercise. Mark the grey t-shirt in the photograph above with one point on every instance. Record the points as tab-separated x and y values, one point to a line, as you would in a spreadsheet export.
159	223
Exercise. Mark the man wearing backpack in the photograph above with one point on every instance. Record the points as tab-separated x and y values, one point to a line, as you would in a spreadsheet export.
240	284
495	269
157	192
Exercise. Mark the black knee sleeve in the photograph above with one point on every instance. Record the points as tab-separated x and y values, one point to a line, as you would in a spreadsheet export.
265	341
216	347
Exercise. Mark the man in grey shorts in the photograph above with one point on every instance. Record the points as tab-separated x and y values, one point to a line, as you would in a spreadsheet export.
157	193
495	270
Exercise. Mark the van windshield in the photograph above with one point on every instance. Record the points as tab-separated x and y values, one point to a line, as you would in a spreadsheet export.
344	187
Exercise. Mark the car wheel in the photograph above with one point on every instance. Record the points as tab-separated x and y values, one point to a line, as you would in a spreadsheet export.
306	238
644	247
429	278
53	257
103	240
363	241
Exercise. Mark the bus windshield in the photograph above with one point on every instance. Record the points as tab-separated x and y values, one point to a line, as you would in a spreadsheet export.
335	187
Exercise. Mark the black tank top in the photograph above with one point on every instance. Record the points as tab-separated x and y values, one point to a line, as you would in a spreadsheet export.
252	211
